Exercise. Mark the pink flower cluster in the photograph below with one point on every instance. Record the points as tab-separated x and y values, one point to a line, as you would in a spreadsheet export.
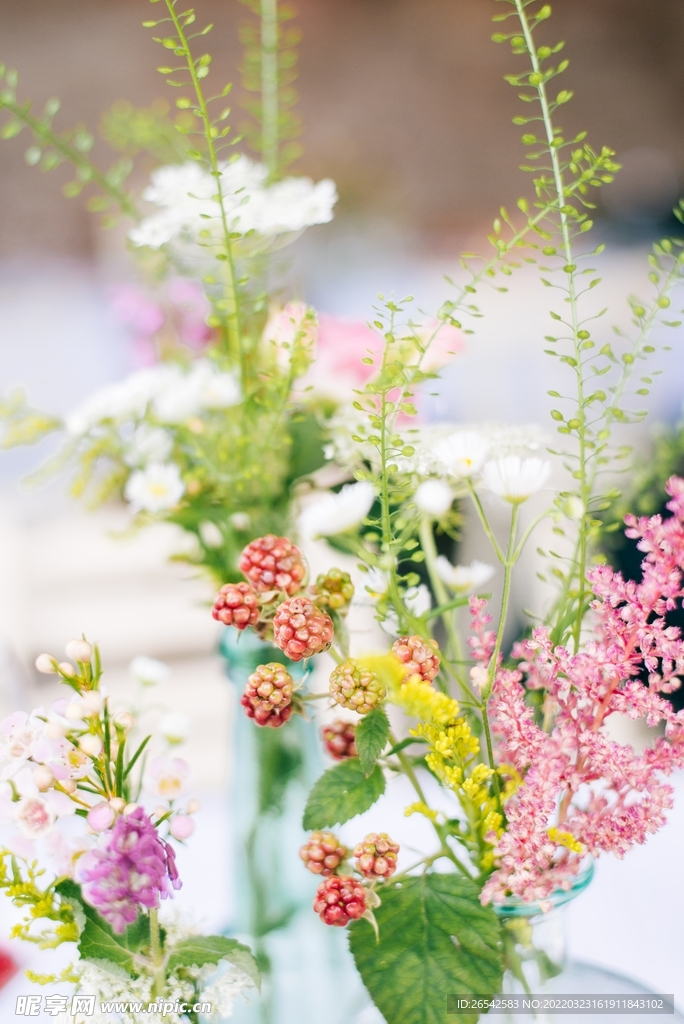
595	791
132	867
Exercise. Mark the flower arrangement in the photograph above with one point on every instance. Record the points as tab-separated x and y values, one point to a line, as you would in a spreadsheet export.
90	863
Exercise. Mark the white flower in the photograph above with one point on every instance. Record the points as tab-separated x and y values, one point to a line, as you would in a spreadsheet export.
149	444
79	650
156	488
122	401
187	394
462	454
434	497
168	777
417	600
149	671
515	479
463	578
226	985
240	521
335	513
187	196
174	727
18	737
35	816
210	534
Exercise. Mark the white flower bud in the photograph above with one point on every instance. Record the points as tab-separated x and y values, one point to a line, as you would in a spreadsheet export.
46	664
175	727
479	677
75	710
194	806
117	804
129	808
124	720
159	811
434	497
54	729
66	669
211	535
240	521
43	777
573	507
90	745
79	650
69	785
94	701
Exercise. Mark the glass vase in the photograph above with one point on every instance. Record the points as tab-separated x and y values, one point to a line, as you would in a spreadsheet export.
309	974
535	955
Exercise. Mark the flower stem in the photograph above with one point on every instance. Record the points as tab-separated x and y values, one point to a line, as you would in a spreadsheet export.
157	956
427	543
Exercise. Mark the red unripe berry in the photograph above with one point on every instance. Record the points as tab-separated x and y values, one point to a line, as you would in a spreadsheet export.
376	856
339	900
421	657
236	605
268	695
323	853
300	629
273	563
340	739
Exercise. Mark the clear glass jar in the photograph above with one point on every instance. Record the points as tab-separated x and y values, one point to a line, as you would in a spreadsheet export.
535	954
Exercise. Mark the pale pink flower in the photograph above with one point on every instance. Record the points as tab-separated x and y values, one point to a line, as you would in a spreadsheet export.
168	777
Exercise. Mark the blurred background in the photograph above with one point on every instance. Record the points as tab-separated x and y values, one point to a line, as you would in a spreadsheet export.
405	107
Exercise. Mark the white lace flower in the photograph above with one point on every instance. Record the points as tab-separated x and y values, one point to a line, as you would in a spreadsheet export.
463	453
463	578
227	983
335	513
149	671
515	479
187	196
125	400
434	497
156	488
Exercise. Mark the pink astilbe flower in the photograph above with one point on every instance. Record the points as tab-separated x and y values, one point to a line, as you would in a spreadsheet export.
131	868
595	791
482	641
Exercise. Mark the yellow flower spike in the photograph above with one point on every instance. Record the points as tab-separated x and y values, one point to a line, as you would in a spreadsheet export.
565	839
386	667
420	700
421	808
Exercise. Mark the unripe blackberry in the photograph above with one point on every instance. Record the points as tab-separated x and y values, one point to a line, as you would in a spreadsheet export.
300	629
355	687
340	739
339	900
376	856
268	695
273	563
236	605
323	853
334	589
421	657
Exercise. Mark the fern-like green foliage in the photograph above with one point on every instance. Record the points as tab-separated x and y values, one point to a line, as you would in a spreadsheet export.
50	148
268	72
133	130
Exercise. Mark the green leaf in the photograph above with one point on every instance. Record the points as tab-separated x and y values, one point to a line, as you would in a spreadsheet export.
98	942
372	734
436	939
341	793
210	949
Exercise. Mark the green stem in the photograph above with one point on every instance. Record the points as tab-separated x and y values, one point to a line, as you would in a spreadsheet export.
485	522
270	112
232	321
508	564
427	543
159	984
566	234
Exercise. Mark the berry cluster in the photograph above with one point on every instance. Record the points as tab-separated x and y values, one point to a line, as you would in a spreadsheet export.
420	656
333	589
273	563
268	695
236	605
300	629
376	856
339	739
323	853
355	687
339	900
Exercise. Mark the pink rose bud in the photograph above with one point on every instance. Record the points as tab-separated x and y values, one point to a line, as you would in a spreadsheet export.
181	826
100	816
43	777
46	664
79	650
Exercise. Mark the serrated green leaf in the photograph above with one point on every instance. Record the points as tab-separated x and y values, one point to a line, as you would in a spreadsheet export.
436	939
97	942
372	734
341	793
211	949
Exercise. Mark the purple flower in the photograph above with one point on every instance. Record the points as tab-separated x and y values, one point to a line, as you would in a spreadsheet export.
132	867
